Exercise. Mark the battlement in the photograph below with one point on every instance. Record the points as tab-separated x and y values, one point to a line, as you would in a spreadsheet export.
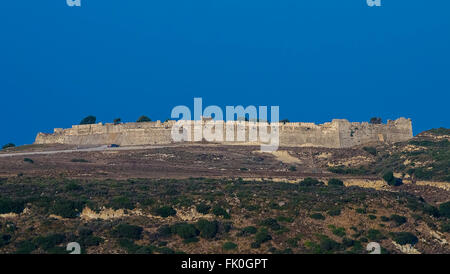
338	133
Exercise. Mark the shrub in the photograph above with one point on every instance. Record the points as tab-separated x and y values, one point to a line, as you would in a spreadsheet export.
311	182
292	168
335	182
11	206
143	119
207	229
374	235
219	211
431	210
67	208
262	236
49	241
185	230
445	227
399	220
164	230
28	160
73	187
88	120
229	246
391	180
25	247
271	223
117	121
165	211
9	145
203	208
334	212
249	230
4	239
79	161
384	219
371	150
404	238
121	202
255	245
317	216
376	120
338	231
444	209
127	231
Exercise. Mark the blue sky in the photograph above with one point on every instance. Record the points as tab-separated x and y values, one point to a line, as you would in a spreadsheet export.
317	60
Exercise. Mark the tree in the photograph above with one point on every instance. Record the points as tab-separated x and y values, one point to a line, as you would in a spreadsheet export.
284	121
88	120
143	119
375	120
8	145
117	121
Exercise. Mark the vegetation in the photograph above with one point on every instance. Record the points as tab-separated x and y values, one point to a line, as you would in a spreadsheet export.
404	238
376	120
88	120
143	119
127	231
9	145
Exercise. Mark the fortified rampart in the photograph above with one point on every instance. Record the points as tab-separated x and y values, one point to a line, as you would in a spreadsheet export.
339	133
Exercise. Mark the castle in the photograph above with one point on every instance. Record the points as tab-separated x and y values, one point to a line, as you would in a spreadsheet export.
339	133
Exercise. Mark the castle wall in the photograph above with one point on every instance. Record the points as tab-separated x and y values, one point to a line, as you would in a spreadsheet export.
337	134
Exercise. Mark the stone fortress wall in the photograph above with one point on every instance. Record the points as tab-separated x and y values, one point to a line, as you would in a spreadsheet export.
339	133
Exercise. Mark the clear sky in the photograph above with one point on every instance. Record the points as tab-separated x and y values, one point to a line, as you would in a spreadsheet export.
316	59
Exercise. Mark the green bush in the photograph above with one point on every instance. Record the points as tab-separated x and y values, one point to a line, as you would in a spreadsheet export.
143	119
292	168
9	145
73	187
404	238
229	246
121	202
11	206
371	150
271	223
246	231
374	235
185	230
28	160
165	211
399	220
203	208
317	216
311	182
338	231
445	227
391	180
219	211
207	229
444	209
67	208
49	241
88	120
384	219
79	161
25	247
262	236
127	231
334	212
4	239
335	182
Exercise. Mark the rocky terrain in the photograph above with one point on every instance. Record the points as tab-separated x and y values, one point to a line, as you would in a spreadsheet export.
209	198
